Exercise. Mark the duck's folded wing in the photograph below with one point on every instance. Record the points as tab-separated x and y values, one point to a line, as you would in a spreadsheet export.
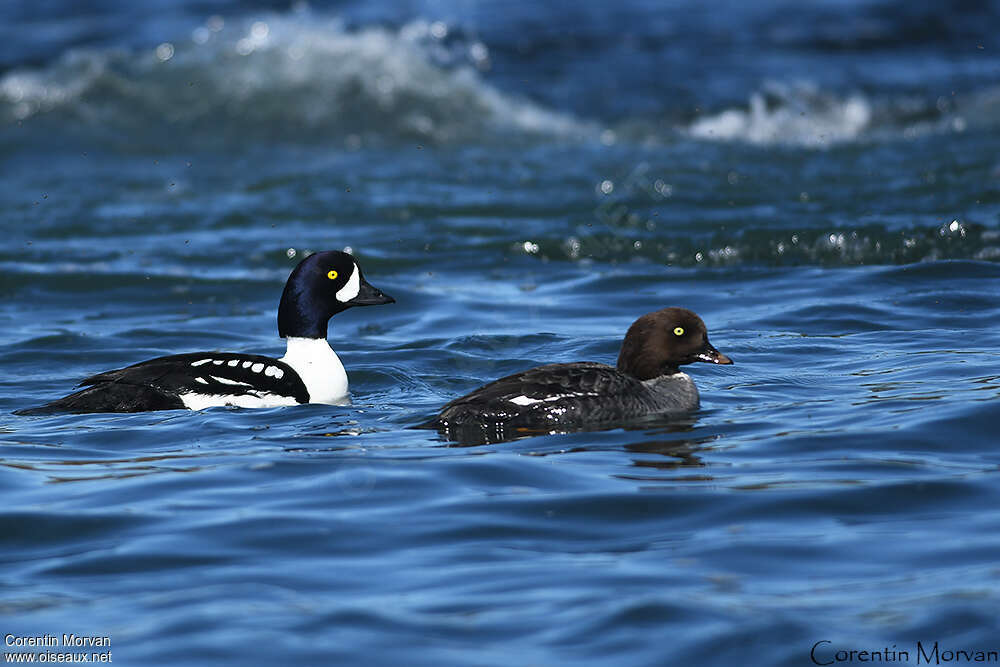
215	373
575	386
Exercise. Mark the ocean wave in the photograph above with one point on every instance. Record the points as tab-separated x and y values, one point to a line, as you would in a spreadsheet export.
289	76
301	76
801	114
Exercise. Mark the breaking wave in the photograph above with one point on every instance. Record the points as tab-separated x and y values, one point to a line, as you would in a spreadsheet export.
300	76
286	77
802	115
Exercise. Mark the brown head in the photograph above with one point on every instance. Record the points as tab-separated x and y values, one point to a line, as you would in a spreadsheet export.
658	343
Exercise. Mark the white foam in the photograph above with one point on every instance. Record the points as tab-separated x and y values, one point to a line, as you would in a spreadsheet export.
289	71
795	115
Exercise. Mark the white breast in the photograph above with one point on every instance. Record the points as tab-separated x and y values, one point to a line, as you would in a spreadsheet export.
319	368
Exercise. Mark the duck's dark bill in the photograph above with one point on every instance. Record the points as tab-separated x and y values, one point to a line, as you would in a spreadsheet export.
713	356
370	296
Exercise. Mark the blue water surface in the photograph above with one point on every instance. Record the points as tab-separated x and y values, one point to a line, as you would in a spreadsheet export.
819	182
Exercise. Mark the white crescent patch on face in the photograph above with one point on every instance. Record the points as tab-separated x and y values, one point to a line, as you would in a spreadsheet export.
351	288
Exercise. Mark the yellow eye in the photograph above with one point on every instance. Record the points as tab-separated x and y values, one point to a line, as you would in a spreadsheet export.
332	275
678	331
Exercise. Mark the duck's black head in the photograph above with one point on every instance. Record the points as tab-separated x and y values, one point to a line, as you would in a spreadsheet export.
657	343
321	286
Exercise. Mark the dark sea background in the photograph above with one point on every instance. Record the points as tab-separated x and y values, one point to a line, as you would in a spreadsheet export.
819	181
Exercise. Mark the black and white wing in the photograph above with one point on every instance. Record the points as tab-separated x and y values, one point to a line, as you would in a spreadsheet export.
555	393
180	381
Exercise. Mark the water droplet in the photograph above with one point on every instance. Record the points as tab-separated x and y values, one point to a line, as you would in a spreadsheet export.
439	30
479	54
573	247
259	30
165	51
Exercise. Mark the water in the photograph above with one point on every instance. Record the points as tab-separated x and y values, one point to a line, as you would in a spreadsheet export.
821	184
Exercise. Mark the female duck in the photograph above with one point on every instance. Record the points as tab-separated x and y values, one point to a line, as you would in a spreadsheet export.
646	381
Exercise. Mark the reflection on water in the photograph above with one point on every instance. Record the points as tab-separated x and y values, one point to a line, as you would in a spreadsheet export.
81	470
495	432
674	453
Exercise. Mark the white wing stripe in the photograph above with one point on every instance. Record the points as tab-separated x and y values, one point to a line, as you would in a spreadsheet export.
524	400
231	382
